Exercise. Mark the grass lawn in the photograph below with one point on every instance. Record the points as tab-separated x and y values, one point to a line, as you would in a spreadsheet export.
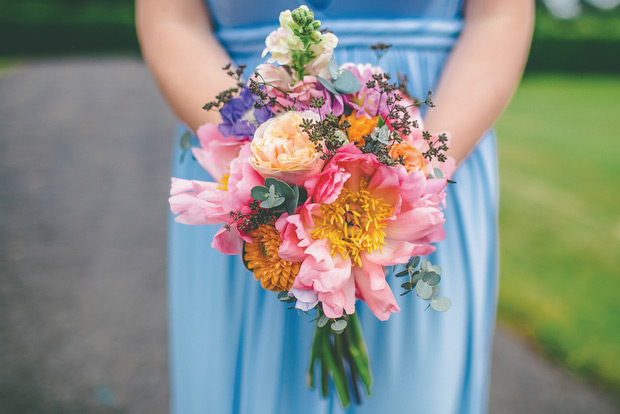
559	147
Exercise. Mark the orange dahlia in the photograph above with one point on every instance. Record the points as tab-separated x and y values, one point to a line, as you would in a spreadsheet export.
262	258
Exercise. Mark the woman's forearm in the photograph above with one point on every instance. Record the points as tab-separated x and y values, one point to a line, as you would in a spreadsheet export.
482	71
185	57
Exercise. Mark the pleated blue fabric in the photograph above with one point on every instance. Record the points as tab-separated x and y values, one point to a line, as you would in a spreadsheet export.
234	348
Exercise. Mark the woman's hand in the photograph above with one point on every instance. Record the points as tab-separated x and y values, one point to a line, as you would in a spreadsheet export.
181	50
482	71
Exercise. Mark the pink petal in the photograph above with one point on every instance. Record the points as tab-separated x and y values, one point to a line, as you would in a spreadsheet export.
414	224
227	241
393	252
343	300
381	302
216	152
289	249
324	279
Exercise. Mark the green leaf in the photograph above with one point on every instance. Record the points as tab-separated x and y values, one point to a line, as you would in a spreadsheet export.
424	264
380	122
280	187
407	286
413	262
272	202
339	325
435	268
322	321
424	290
435	291
259	193
381	134
347	83
441	303
437	173
283	296
401	274
416	277
334	68
185	140
328	85
431	278
303	196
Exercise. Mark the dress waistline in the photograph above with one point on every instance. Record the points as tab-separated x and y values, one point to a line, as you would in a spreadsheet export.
402	33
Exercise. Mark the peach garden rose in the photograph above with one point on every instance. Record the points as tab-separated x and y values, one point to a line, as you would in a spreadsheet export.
282	150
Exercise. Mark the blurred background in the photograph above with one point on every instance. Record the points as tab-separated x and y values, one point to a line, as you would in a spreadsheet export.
85	140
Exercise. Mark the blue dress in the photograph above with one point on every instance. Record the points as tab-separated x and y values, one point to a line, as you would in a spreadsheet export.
234	348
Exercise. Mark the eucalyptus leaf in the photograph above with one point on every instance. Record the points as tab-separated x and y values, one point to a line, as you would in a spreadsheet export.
259	193
334	68
413	262
416	277
424	290
407	285
435	291
401	274
328	85
431	278
424	265
272	201
280	187
381	134
435	268
441	303
347	83
283	296
437	173
322	321
185	140
339	325
303	196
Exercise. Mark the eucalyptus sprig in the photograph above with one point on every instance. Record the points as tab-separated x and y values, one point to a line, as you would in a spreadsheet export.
425	282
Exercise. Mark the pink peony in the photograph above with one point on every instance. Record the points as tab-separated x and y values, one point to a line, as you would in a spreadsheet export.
372	216
199	202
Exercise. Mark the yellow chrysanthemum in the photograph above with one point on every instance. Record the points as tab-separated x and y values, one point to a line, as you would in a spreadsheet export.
262	258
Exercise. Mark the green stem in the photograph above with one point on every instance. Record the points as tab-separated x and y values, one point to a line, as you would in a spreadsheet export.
358	351
333	358
346	345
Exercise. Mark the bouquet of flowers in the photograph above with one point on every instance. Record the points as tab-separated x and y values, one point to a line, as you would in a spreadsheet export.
325	180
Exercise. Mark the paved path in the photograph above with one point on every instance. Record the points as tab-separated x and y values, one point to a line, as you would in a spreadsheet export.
84	147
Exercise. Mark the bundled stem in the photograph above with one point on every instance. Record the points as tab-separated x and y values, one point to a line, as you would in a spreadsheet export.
342	356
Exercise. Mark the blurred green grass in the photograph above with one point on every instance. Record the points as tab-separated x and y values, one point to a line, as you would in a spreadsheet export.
560	220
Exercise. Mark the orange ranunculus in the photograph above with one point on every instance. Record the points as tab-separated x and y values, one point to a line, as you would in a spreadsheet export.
360	126
414	160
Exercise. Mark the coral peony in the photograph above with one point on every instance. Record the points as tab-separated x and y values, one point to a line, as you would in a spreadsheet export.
380	216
